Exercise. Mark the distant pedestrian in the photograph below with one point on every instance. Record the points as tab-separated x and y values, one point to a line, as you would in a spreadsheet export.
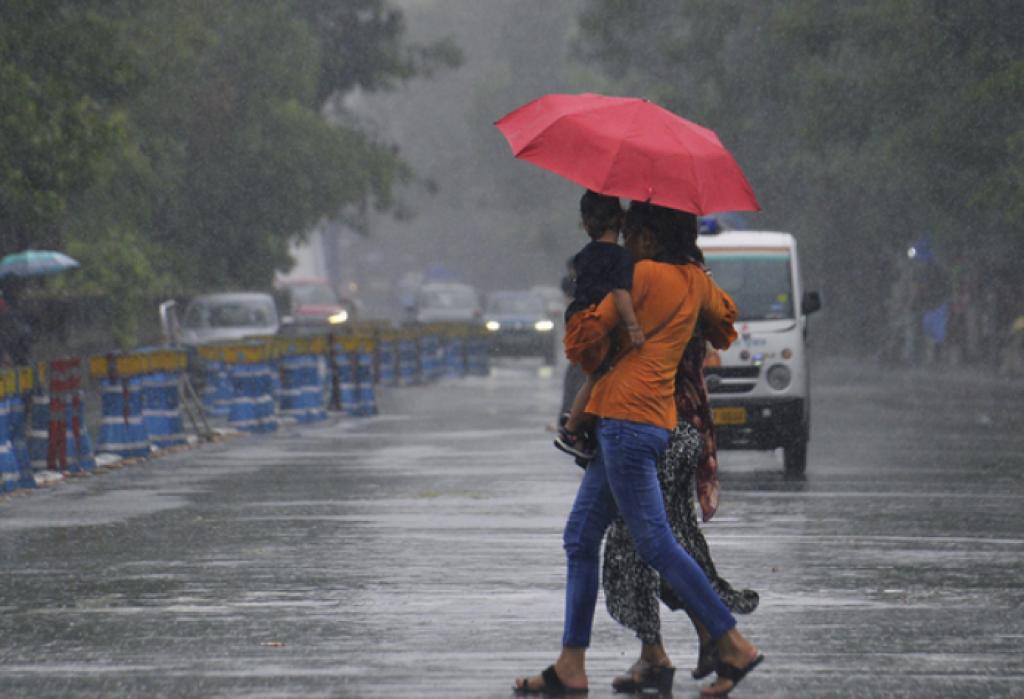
632	588
600	269
635	405
15	331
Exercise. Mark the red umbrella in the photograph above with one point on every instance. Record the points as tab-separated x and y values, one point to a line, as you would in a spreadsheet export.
630	148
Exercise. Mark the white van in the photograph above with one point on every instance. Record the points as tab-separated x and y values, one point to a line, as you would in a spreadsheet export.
760	387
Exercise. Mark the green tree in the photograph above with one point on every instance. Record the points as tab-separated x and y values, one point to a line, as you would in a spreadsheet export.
182	146
240	132
58	65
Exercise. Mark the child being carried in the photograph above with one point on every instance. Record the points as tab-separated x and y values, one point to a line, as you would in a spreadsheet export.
602	267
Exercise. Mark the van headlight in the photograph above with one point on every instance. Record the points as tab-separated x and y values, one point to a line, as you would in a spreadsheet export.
543	326
779	376
338	318
492	325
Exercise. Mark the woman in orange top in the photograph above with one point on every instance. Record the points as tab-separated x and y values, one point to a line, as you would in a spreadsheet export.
635	404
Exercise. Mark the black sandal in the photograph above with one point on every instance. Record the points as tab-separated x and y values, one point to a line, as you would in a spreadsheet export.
657	677
734	674
707	660
553	686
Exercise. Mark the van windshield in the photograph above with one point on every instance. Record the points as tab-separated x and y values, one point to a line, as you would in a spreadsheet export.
313	295
448	297
516	304
759	282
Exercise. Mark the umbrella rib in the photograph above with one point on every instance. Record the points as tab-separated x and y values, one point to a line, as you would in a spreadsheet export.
613	161
691	163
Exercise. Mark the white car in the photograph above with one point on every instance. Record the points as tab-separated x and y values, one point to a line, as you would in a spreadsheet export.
447	302
518	324
223	317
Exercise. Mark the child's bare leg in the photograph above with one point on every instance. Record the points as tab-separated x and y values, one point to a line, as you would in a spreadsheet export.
577	416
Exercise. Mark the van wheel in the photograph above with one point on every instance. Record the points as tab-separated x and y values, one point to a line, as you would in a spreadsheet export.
794	458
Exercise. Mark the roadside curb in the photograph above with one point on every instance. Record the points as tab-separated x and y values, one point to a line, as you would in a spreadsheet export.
106	461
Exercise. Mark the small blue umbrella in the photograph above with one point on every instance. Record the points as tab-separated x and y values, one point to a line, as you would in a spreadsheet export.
35	263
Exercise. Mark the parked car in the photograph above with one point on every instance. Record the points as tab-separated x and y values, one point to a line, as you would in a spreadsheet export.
519	324
220	317
447	301
312	302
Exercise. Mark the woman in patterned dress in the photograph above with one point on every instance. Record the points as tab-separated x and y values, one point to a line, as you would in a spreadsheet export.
632	588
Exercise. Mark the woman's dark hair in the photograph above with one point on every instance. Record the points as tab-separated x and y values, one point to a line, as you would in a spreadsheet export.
674	231
599	213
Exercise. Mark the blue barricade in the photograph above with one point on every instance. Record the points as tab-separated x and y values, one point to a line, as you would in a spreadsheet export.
18	441
387	362
366	393
134	417
84	456
242	408
345	365
218	392
426	354
122	430
302	388
161	411
9	473
252	404
266	410
478	359
408	362
455	357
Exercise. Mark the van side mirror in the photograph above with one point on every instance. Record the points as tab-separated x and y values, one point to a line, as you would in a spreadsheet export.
170	325
810	303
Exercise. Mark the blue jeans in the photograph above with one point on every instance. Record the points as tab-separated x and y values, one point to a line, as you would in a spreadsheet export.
623	478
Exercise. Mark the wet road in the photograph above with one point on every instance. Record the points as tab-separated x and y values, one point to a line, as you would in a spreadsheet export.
419	554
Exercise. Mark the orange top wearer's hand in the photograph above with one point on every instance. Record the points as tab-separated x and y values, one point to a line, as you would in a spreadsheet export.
640	387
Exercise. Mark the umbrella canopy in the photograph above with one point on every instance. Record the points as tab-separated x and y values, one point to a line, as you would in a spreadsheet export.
35	263
629	147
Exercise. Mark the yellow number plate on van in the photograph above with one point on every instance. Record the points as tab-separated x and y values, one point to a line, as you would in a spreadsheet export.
730	416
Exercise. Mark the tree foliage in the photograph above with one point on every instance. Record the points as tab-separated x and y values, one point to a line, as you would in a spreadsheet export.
182	146
861	125
54	128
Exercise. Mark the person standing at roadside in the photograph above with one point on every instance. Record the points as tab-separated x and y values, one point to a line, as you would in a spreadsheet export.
15	331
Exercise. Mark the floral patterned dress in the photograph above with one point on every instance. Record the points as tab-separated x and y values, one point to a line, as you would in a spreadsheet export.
687	469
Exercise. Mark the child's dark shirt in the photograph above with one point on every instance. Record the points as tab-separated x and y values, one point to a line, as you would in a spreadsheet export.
599	267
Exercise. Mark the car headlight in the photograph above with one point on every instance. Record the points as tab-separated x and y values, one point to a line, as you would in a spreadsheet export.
338	318
492	325
779	376
543	326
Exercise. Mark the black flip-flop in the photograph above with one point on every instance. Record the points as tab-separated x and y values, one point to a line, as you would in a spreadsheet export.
725	671
656	677
553	686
